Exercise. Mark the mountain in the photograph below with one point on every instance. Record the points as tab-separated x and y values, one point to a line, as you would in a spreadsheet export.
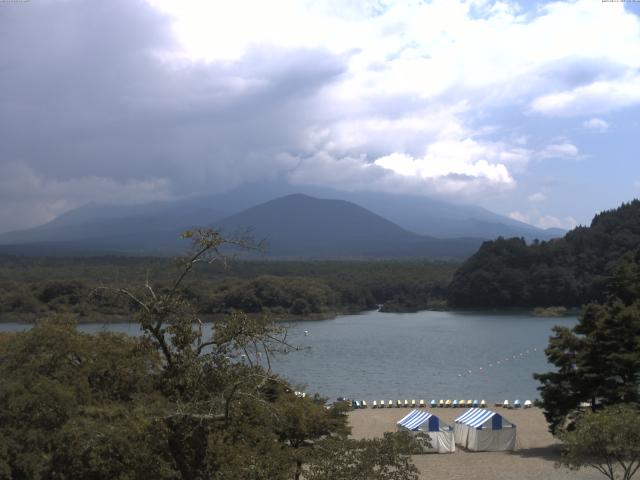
300	226
417	214
150	228
427	216
155	228
563	272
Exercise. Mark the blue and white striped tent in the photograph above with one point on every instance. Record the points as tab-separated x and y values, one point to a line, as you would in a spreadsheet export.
479	429
441	436
417	418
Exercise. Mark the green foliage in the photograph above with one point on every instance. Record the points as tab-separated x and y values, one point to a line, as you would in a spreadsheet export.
385	458
68	404
598	361
172	404
32	287
568	271
608	441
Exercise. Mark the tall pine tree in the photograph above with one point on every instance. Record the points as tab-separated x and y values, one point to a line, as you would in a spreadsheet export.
598	361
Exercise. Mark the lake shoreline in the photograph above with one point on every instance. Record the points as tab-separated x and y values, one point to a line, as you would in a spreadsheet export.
291	318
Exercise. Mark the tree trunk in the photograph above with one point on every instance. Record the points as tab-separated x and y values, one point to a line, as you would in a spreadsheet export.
298	472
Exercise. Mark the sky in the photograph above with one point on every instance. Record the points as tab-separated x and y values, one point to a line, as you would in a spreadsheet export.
529	109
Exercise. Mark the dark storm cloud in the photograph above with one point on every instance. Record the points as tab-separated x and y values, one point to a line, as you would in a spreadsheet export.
91	94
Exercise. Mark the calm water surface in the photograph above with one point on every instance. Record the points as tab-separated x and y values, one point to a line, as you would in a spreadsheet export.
426	355
422	355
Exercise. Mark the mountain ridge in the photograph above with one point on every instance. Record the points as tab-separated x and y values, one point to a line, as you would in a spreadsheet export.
155	228
346	230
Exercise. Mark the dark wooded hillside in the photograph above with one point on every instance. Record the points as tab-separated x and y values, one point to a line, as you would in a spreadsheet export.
569	271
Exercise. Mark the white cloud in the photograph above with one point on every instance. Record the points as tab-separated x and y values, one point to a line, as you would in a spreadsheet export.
600	96
564	149
537	197
448	167
596	124
535	217
429	49
408	133
457	158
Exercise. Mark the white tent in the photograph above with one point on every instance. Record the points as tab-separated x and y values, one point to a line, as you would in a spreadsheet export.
441	436
483	430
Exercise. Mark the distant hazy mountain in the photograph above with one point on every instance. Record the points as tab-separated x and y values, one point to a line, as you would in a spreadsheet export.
151	228
422	215
300	226
436	218
155	228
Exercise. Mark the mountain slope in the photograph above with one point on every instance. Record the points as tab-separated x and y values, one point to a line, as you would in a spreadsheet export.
299	226
152	228
417	214
427	216
568	271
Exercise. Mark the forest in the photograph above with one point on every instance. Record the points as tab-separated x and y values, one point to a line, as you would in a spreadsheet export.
569	271
504	273
32	287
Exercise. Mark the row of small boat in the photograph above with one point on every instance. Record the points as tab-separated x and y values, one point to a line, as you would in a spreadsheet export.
515	404
460	404
438	404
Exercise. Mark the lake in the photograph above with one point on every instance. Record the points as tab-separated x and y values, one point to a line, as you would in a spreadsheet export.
428	355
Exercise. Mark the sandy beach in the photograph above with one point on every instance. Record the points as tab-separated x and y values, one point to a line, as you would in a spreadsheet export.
534	459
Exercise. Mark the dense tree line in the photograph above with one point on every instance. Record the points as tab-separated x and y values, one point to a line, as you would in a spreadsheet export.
598	360
32	287
598	364
569	271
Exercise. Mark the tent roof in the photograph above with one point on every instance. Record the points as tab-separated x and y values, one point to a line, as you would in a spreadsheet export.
415	419
476	417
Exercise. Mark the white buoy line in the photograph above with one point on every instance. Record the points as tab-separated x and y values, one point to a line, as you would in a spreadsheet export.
506	360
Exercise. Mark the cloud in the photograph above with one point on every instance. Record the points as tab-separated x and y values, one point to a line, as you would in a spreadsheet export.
564	149
535	217
199	97
29	199
466	157
537	197
104	103
597	97
596	124
448	167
